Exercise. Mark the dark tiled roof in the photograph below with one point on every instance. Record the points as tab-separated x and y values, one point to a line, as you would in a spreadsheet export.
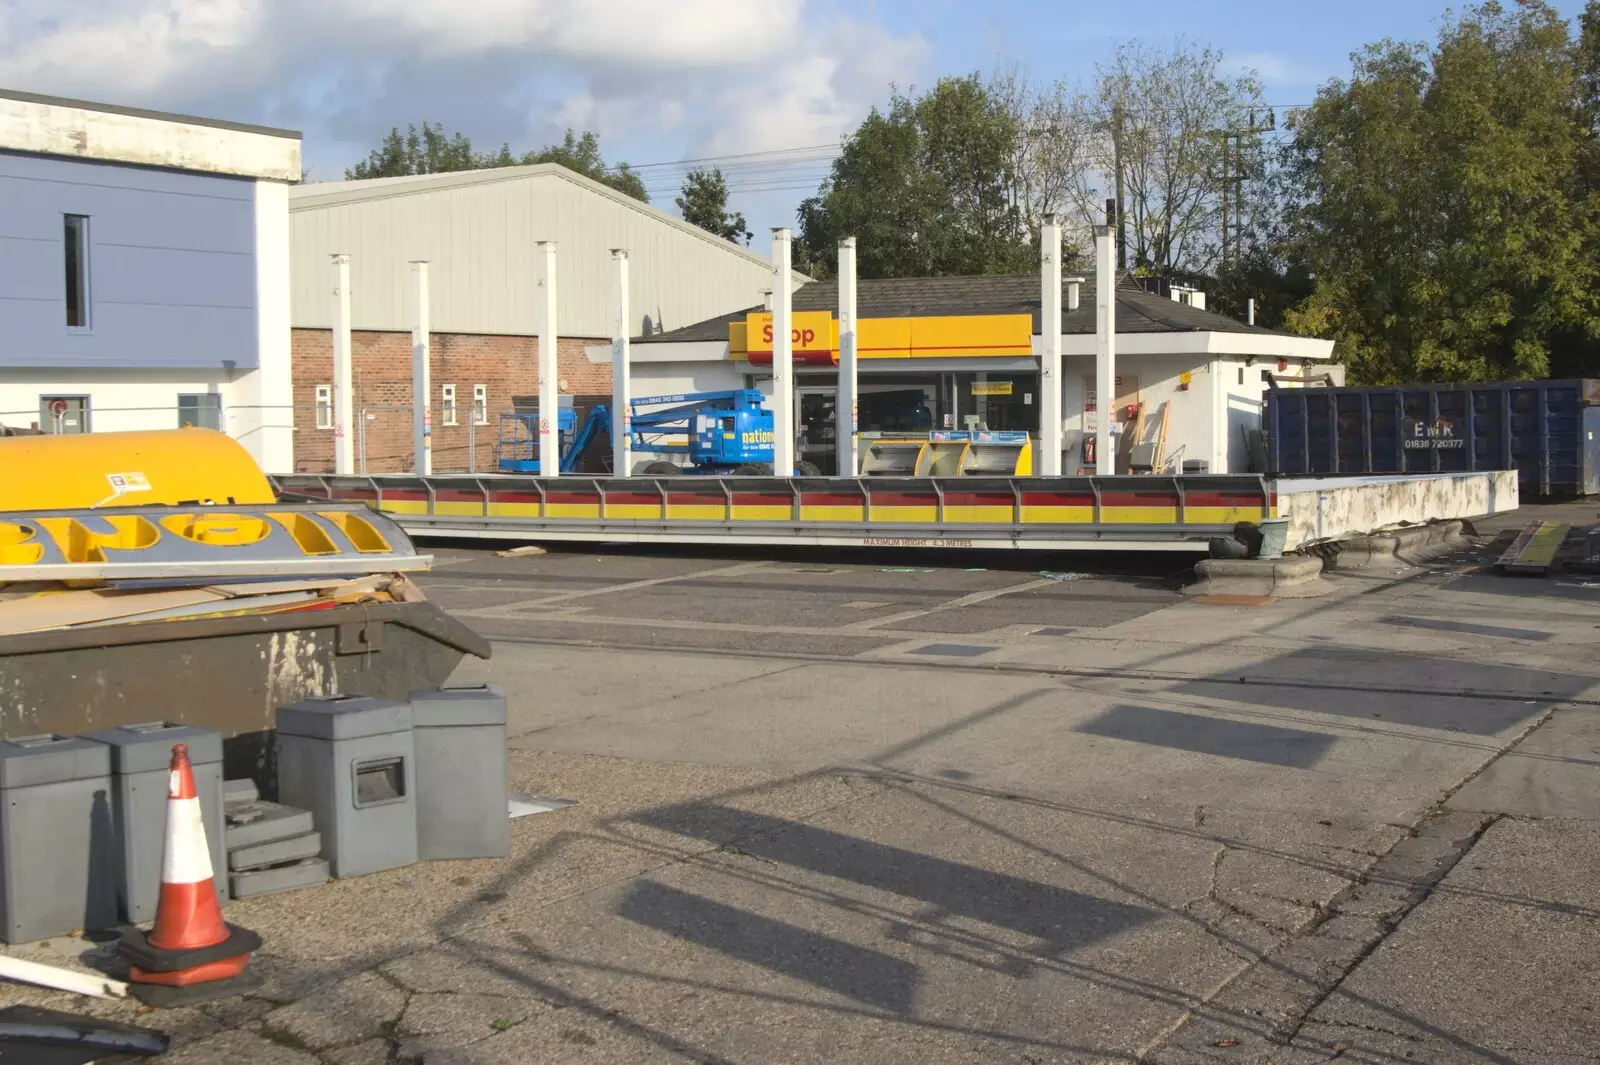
1138	311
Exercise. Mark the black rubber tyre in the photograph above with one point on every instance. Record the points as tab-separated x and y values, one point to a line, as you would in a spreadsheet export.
753	469
660	469
807	469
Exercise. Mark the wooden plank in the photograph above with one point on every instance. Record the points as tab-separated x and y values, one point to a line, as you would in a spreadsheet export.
54	610
99	606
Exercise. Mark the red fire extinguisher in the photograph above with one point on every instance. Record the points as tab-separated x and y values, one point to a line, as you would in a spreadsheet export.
1088	449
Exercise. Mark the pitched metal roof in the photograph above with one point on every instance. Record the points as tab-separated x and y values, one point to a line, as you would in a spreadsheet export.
1138	311
334	193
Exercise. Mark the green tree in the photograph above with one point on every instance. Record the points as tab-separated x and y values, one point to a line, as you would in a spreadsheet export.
582	154
704	203
925	187
430	151
1439	203
427	151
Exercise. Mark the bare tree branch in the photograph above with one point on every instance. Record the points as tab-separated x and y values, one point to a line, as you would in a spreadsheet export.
1055	154
1176	106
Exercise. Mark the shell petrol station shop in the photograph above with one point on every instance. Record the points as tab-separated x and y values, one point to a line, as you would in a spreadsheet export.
961	353
898	396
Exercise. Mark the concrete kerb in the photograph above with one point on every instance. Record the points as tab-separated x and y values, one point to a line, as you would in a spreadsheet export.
1289	577
1394	548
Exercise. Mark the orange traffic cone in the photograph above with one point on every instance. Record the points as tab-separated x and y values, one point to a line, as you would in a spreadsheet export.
192	954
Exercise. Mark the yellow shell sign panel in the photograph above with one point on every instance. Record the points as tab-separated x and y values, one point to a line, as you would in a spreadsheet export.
815	335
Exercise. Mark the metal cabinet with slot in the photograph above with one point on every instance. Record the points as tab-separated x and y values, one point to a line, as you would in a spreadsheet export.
351	761
56	837
141	759
460	741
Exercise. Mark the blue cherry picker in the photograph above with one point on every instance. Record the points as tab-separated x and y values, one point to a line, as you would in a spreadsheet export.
719	433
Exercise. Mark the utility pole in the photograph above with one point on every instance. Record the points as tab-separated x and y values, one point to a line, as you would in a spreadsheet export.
1116	157
1227	186
1233	180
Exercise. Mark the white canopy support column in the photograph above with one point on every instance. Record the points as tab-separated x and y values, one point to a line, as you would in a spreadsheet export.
344	451
1105	363
549	428
847	406
782	356
621	396
1050	347
421	389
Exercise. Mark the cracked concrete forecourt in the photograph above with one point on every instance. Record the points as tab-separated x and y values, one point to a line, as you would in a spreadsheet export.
869	808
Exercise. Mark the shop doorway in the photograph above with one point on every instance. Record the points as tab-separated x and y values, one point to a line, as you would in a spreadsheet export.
817	427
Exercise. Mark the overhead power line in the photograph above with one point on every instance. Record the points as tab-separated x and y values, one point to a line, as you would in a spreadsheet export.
804	167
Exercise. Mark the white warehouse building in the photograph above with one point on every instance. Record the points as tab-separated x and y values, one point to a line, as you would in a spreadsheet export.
479	232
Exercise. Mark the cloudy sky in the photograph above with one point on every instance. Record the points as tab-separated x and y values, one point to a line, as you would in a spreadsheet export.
659	80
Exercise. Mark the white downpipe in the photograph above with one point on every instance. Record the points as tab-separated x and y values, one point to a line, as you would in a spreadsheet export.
782	357
847	407
1050	350
621	409
1105	363
421	389
343	400
549	367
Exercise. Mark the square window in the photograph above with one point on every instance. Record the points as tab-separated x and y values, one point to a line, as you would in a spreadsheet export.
200	409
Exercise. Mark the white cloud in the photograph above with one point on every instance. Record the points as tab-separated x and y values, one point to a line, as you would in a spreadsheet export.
655	78
1268	65
816	95
1283	73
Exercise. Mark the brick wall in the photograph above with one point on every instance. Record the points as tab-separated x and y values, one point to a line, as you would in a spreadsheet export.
381	374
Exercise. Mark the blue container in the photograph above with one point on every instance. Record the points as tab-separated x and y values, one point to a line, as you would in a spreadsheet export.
1548	431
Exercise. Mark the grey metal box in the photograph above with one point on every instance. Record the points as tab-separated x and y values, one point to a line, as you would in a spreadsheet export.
141	763
349	759
56	837
460	735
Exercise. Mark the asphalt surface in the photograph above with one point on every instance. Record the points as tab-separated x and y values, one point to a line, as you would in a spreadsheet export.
919	808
